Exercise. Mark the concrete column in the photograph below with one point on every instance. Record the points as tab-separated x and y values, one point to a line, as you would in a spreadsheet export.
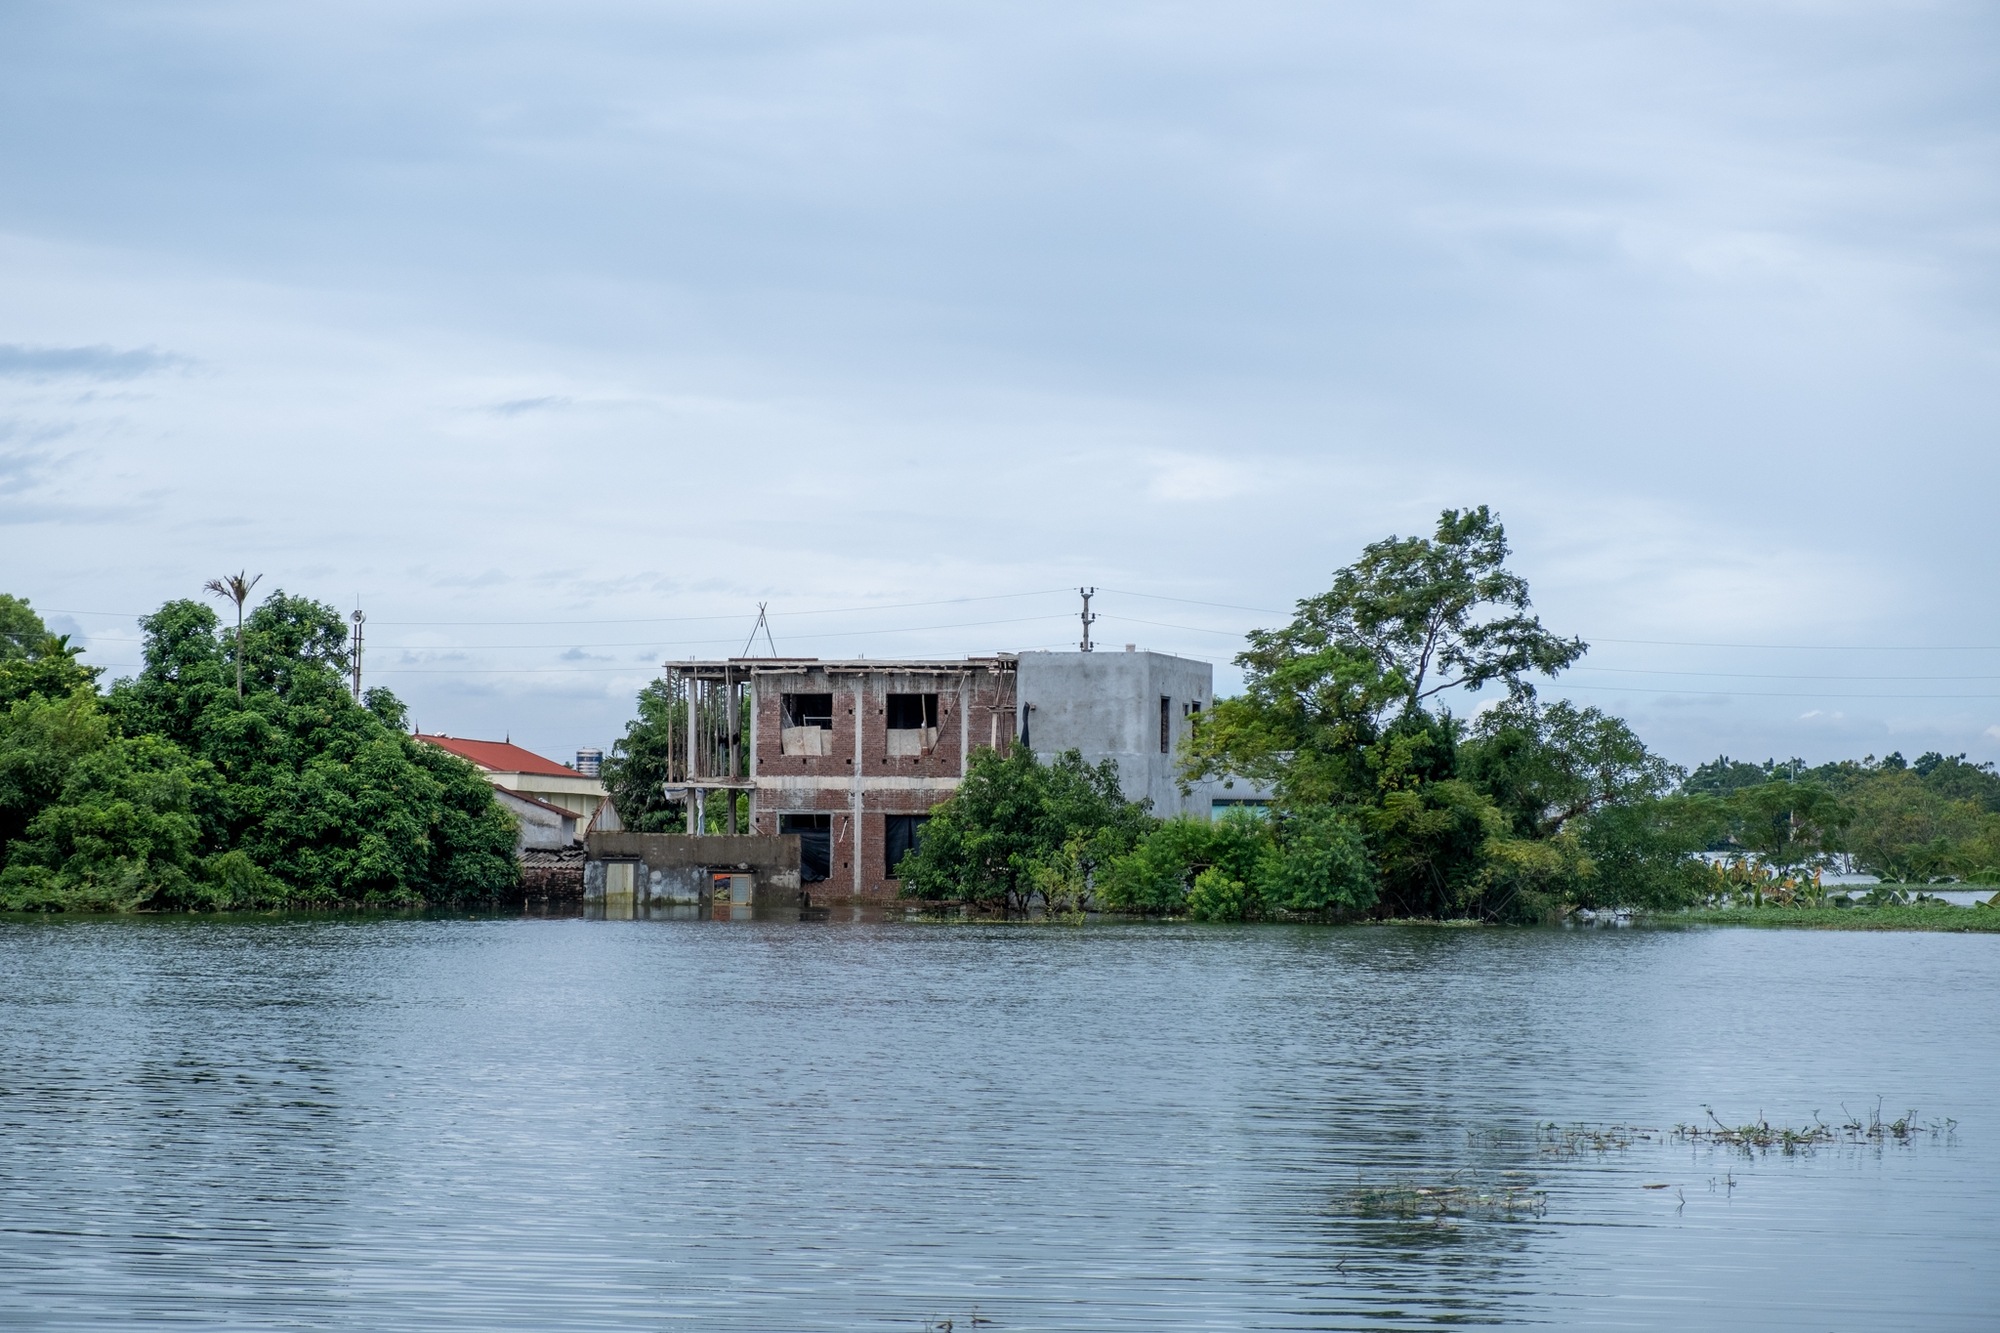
964	720
751	767
860	721
692	725
732	700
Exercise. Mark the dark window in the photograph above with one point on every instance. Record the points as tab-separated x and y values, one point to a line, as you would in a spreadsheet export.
901	835
1166	725
808	710
815	843
911	712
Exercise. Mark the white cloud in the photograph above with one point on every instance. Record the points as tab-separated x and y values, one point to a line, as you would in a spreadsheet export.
658	312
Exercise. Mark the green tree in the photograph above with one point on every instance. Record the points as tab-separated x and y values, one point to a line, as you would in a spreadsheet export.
1423	611
1722	775
1012	819
35	663
1317	862
1787	824
1548	766
1905	830
1156	875
20	628
237	589
645	760
323	794
1431	842
1956	779
1413	618
1645	853
120	834
41	740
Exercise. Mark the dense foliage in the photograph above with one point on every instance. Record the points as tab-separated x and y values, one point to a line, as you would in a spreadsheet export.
1017	829
1386	804
637	770
1937	818
1503	819
171	792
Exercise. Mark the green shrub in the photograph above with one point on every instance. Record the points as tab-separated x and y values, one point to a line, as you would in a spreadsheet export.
1217	897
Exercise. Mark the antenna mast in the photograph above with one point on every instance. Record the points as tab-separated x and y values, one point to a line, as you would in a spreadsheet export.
359	617
1088	619
764	624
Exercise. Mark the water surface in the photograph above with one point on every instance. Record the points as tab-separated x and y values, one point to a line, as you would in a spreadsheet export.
565	1124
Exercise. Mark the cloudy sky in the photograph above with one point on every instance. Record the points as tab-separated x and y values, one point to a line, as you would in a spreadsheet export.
561	336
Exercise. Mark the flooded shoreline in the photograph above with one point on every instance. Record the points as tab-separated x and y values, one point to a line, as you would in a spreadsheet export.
509	1122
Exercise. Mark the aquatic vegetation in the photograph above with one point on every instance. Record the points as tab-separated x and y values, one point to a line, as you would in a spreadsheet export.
1458	1195
1566	1142
1857	915
1760	1134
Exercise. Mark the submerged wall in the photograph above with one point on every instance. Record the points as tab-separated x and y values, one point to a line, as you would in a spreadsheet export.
679	870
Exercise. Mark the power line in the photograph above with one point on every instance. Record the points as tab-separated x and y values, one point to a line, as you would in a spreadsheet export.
1759	694
1764	675
647	620
1189	601
663	643
1820	647
1043	592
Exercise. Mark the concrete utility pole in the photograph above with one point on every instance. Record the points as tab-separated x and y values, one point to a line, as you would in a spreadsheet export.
1088	619
359	617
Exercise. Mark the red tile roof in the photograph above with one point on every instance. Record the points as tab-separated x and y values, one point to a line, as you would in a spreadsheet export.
500	756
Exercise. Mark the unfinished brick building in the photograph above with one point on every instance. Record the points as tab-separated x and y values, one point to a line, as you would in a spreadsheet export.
849	755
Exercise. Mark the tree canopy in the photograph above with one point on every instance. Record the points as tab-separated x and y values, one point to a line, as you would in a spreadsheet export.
170	792
1012	819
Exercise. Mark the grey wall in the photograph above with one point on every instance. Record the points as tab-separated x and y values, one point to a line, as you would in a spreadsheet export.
542	829
675	869
1107	704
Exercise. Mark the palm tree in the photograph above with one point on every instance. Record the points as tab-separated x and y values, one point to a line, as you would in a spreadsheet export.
237	590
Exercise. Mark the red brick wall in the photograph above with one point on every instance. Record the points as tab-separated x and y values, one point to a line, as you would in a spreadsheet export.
869	713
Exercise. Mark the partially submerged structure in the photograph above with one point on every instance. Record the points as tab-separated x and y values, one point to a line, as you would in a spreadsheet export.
630	876
851	756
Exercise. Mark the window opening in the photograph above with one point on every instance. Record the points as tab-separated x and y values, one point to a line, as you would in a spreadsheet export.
815	834
1166	725
901	835
911	712
808	710
912	724
807	725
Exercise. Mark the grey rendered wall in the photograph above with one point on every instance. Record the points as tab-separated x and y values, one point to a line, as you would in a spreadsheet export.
674	868
1107	705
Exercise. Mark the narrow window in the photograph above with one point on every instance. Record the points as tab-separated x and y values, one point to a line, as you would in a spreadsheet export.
901	835
1166	725
807	725
815	834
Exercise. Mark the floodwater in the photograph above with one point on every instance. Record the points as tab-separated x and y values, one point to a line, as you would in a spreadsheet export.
566	1124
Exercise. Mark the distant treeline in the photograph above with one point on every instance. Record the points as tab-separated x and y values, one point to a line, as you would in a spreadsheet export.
1937	818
